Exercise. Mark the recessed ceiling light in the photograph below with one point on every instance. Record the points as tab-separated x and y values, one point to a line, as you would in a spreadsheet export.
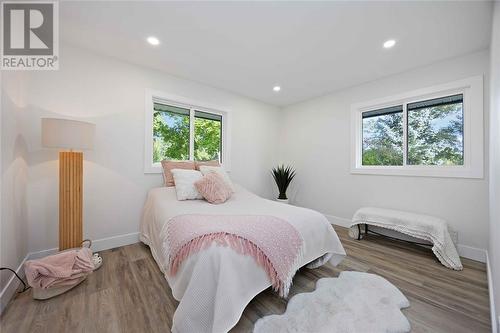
153	40
389	43
276	88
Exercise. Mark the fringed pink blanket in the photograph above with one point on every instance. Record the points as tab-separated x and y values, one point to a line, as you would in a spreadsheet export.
274	243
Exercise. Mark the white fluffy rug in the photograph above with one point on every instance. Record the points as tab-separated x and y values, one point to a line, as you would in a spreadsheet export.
354	302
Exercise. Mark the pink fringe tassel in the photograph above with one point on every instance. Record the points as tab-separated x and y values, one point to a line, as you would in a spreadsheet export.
238	244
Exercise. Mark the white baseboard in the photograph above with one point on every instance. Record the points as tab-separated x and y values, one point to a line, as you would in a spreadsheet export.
41	254
97	245
11	287
473	253
495	325
343	222
115	241
465	251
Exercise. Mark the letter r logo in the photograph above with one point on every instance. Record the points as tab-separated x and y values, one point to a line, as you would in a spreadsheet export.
28	28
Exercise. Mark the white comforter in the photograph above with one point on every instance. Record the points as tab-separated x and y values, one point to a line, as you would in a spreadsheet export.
215	285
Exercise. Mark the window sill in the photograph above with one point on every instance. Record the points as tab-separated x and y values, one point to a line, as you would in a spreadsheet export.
430	171
156	168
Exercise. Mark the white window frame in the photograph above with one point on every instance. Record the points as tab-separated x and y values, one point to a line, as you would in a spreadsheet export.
473	167
153	96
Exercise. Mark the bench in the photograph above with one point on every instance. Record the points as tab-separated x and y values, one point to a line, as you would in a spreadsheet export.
421	229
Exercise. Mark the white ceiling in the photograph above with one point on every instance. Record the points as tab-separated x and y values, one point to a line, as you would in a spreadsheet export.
308	48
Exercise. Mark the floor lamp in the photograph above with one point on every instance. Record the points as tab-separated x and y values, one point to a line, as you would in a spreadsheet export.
68	135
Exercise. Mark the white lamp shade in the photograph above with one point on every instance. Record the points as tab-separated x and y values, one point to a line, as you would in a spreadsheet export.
69	134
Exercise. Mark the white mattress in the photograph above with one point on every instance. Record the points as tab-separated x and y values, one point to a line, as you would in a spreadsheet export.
215	285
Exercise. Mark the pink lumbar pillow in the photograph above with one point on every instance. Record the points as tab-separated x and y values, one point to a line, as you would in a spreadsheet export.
213	163
169	165
213	188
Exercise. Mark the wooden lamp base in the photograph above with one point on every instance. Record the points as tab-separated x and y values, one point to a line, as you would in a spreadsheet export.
70	200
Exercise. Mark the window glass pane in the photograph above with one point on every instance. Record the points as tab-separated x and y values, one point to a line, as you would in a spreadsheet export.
170	133
383	136
436	131
207	136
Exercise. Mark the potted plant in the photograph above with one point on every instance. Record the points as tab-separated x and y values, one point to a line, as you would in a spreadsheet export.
283	176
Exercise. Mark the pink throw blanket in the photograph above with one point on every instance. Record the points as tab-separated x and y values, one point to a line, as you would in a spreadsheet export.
274	243
61	269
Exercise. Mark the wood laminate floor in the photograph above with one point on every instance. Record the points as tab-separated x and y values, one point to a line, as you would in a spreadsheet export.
129	293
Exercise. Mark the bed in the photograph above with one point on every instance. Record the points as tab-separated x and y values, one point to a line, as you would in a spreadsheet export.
215	285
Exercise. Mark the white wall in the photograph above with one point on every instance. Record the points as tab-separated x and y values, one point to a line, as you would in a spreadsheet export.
14	178
111	94
316	138
494	249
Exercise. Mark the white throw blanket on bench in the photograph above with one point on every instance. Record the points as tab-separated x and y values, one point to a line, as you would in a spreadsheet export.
431	229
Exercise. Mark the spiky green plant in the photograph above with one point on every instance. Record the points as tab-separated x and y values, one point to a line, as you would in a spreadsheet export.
283	176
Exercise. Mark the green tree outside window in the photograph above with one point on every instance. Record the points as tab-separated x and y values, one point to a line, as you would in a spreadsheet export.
171	133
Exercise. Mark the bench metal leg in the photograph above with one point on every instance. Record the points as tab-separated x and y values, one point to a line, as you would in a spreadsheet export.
386	236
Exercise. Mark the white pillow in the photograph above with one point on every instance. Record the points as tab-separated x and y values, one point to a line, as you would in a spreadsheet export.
205	169
184	184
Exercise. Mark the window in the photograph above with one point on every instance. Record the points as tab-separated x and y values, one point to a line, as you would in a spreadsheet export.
170	133
383	136
436	132
207	136
177	129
